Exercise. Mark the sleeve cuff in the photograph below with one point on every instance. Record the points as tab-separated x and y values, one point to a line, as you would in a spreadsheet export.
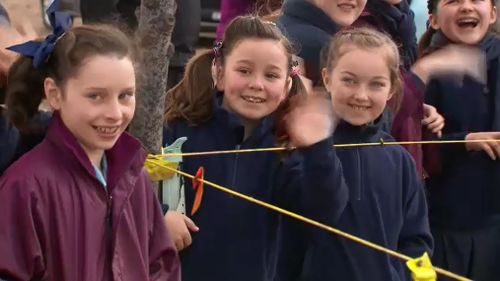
320	152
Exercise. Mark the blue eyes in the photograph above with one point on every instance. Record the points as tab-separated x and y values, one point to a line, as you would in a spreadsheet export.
351	82
348	81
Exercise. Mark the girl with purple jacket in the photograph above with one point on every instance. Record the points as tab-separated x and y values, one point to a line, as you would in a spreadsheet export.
80	205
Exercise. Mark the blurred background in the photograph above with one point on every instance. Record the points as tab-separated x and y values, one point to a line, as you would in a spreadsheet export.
32	11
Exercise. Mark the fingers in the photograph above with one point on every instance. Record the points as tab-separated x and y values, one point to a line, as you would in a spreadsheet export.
473	62
440	134
486	148
434	121
496	148
179	243
436	124
430	119
430	114
191	225
187	240
460	60
183	239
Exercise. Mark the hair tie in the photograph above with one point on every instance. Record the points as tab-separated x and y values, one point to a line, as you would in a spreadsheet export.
217	47
41	51
295	69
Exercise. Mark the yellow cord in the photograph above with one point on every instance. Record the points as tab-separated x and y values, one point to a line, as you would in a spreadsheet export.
348	145
311	222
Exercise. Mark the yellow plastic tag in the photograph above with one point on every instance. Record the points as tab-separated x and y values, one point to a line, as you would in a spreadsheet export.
157	171
422	269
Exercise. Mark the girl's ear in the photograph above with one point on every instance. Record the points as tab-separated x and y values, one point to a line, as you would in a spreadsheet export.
217	75
433	22
494	15
391	94
326	77
53	93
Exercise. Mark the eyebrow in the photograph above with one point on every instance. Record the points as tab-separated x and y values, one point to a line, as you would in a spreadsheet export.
105	89
244	61
252	63
376	77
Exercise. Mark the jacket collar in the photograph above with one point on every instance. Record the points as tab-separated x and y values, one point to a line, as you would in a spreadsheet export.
126	155
347	133
225	120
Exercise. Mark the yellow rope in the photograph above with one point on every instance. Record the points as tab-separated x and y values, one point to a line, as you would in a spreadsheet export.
348	145
311	222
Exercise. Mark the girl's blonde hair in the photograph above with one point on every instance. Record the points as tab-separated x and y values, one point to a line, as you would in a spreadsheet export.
366	38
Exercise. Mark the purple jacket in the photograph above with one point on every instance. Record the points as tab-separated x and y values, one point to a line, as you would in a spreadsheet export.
60	223
231	9
407	124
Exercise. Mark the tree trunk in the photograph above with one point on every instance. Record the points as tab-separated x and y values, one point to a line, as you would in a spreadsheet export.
156	23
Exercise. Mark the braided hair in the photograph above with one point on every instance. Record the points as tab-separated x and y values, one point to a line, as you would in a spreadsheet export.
431	6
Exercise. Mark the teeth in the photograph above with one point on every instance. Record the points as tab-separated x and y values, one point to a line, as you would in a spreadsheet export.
359	108
253	99
107	130
468	22
346	6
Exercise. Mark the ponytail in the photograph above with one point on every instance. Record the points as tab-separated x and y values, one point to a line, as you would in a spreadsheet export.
297	90
191	99
24	93
425	42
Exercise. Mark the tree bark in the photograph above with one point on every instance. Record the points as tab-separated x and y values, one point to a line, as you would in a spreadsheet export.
156	23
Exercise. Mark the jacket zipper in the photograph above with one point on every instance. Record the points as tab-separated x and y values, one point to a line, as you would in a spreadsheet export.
235	167
360	176
109	211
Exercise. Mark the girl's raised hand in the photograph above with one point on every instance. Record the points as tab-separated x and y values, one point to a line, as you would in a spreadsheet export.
452	60
491	148
310	120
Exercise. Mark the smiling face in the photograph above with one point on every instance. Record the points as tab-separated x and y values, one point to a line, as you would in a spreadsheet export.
464	21
359	93
342	12
254	78
97	104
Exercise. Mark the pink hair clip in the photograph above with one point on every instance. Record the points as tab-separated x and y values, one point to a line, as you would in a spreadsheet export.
295	72
216	49
295	69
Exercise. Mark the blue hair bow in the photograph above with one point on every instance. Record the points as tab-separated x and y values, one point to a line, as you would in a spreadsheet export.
40	51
